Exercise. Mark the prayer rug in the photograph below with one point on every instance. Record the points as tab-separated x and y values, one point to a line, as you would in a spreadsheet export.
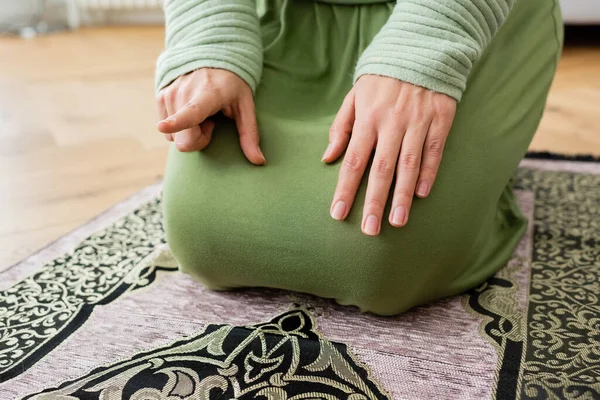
103	313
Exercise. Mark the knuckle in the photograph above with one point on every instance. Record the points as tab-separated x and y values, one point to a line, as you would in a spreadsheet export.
397	113
370	118
353	162
194	107
170	95
183	147
251	135
413	113
443	110
160	97
434	146
383	167
247	102
397	119
344	192
252	130
419	114
249	130
445	115
409	161
375	203
428	173
428	169
402	193
334	130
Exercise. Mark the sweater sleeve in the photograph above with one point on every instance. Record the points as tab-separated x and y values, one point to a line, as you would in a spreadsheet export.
434	43
211	33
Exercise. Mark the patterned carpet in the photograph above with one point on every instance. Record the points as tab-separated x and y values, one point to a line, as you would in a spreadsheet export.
103	314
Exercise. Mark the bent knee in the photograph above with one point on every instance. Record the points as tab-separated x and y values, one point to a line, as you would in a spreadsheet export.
385	295
406	274
190	243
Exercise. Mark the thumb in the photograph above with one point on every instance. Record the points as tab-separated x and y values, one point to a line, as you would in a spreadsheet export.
341	129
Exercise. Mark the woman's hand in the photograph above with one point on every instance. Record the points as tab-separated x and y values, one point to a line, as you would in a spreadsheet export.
186	104
407	127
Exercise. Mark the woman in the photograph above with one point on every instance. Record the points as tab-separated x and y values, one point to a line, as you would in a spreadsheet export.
385	87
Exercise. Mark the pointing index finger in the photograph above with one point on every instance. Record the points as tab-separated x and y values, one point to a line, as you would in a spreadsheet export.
191	115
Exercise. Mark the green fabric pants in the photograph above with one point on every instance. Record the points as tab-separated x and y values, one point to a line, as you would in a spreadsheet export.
231	224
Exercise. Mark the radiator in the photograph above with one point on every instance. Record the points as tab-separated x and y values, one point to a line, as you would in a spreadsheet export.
108	5
116	12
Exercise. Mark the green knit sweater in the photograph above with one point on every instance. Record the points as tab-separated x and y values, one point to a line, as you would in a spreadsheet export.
429	43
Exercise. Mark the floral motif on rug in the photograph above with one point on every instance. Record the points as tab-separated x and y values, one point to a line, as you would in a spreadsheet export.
282	359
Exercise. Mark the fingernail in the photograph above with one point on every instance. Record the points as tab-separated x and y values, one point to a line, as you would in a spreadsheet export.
170	119
338	210
178	138
399	215
371	225
327	151
423	189
181	138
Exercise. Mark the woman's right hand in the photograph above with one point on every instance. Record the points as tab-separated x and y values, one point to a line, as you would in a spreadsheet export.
186	105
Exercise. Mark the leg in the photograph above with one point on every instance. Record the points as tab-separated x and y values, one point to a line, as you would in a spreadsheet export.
231	224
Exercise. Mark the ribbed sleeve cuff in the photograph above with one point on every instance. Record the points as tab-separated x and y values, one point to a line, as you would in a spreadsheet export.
211	34
413	76
434	43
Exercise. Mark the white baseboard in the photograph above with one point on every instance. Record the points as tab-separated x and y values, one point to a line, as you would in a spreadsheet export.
580	11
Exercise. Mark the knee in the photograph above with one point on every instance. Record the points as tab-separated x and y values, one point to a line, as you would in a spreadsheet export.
384	307
384	285
383	298
189	241
415	268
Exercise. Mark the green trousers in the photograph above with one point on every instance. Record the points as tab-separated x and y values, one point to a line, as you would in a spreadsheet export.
231	224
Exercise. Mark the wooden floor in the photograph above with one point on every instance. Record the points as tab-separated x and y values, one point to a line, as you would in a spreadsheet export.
77	127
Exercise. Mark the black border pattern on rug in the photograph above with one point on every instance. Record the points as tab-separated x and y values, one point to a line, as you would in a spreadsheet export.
547	155
522	372
118	258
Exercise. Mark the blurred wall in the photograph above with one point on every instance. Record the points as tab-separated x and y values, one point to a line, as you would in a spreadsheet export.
574	12
129	12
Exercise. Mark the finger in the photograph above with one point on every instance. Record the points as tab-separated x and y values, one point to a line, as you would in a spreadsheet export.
187	139
351	172
194	139
407	172
432	155
380	180
191	114
162	108
248	130
341	129
184	139
162	112
207	128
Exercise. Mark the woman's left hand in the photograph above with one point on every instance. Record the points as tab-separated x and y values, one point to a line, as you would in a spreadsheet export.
407	127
